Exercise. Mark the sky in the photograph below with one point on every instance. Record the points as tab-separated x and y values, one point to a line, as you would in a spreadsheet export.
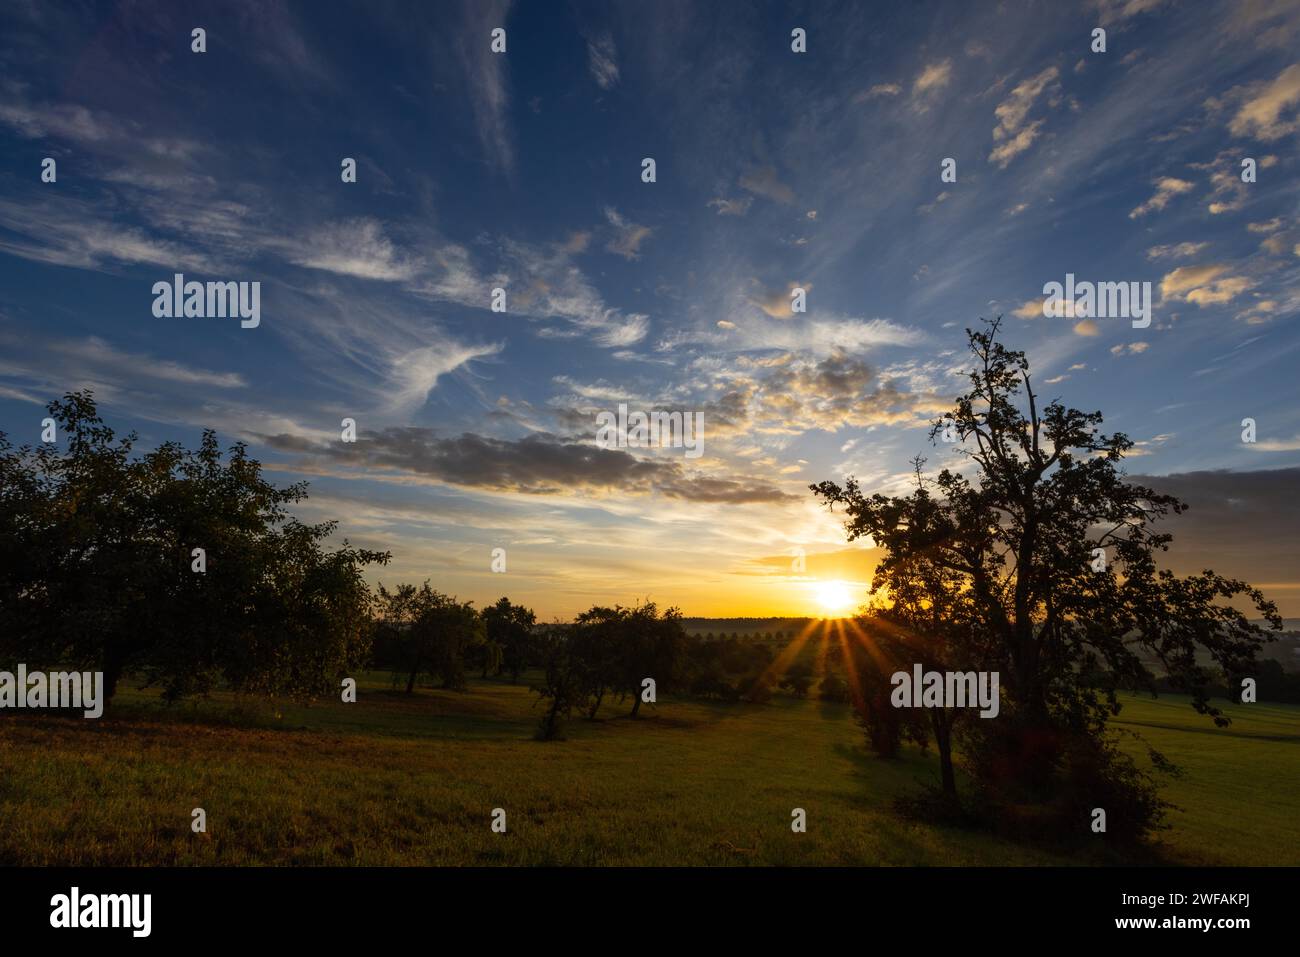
774	170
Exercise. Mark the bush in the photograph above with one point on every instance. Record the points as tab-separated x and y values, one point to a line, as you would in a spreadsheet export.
1088	771
797	680
756	689
833	688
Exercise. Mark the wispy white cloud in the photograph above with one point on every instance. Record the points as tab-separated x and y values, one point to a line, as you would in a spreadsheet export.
93	359
486	79
1177	250
731	207
355	247
876	91
932	78
627	236
1014	132
1268	110
63	231
1167	187
602	59
764	182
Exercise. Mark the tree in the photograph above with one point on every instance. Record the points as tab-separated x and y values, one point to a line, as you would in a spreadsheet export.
432	632
394	646
833	687
311	618
756	688
510	626
98	568
563	681
702	670
652	648
457	628
491	656
26	555
797	679
599	641
926	620
618	648
870	663
1015	545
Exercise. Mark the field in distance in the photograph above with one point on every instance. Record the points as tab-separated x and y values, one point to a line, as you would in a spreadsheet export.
412	780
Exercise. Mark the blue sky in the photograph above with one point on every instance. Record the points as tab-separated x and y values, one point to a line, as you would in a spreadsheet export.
522	170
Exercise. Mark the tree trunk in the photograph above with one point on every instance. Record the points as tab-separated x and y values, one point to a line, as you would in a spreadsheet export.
943	741
112	673
636	703
552	719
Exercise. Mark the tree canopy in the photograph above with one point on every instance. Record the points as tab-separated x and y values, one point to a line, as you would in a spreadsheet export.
183	566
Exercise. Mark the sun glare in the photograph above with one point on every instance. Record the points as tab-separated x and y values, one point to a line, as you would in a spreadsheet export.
834	597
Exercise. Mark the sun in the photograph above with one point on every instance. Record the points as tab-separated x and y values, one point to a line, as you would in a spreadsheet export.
834	597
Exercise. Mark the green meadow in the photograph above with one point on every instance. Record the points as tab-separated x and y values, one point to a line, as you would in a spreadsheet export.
413	780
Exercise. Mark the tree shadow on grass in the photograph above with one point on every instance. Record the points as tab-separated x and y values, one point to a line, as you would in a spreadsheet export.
1228	732
914	775
909	770
834	710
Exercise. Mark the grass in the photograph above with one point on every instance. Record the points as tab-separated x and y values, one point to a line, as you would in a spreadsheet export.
409	780
1239	791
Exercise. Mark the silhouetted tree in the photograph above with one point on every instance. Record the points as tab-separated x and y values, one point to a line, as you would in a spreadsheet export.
833	687
431	633
1018	538
598	639
510	626
653	648
397	610
490	655
871	660
98	569
797	679
704	675
562	687
619	647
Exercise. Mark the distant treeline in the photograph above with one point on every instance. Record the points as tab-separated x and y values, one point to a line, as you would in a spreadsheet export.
1272	683
785	627
618	653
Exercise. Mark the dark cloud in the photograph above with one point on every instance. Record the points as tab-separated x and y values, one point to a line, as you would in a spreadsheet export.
539	464
1243	524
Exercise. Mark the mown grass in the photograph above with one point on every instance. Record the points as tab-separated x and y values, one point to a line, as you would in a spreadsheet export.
413	780
1238	794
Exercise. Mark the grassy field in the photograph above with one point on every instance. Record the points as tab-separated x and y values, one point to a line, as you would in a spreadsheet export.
413	780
